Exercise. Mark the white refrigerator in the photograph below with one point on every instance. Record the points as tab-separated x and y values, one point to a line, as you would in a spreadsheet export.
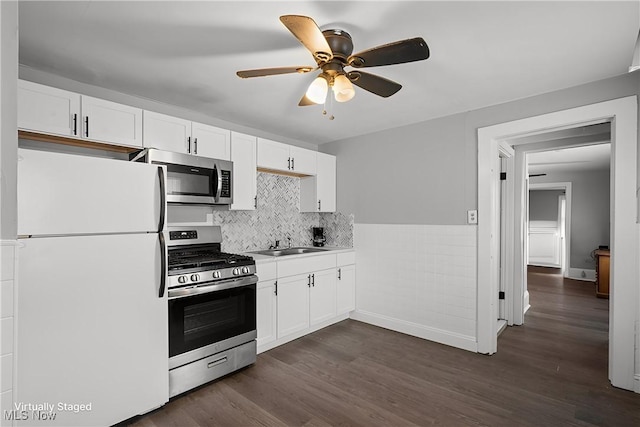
92	334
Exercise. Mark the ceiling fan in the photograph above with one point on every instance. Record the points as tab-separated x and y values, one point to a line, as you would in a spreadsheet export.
332	51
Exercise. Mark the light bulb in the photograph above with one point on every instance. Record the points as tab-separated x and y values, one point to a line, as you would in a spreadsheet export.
317	91
342	88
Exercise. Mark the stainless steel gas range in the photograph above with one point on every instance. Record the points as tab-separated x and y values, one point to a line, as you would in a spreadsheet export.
212	308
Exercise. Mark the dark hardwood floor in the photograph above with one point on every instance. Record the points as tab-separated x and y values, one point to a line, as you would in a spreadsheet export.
550	372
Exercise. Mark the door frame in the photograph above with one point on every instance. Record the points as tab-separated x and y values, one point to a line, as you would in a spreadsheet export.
566	186
622	113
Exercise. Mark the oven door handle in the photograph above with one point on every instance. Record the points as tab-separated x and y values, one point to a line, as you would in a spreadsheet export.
216	286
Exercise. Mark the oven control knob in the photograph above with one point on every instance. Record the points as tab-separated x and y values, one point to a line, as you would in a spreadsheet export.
245	270
182	279
236	271
195	277
216	274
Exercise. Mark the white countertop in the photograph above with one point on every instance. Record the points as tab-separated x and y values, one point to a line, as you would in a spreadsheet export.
259	258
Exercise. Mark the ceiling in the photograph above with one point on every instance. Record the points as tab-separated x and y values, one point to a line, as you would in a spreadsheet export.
187	53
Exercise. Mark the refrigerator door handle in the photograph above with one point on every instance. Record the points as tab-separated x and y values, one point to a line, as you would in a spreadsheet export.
162	199
163	264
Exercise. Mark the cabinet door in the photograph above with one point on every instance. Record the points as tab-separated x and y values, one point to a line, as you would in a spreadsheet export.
47	109
302	160
210	141
273	155
111	122
326	182
346	289
322	300
166	133
243	156
266	315
293	305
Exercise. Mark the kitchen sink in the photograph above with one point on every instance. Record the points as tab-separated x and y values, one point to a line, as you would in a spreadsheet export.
288	251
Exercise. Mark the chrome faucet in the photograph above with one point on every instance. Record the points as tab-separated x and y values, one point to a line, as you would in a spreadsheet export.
289	239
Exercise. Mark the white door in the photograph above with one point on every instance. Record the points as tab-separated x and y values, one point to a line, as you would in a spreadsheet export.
293	304
47	109
303	161
111	122
266	312
322	299
346	289
326	182
166	132
273	155
210	141
71	194
243	156
92	329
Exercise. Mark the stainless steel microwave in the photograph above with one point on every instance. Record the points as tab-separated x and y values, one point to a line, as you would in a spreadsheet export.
193	179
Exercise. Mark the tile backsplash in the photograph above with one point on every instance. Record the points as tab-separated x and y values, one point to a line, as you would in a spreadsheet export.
277	217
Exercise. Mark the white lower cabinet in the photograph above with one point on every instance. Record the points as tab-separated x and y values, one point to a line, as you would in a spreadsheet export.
322	296
266	312
293	304
297	296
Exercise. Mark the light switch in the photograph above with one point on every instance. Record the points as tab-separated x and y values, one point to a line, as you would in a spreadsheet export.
472	216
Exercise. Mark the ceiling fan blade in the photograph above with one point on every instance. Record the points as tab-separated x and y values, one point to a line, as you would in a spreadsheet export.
399	52
374	84
261	72
306	30
305	102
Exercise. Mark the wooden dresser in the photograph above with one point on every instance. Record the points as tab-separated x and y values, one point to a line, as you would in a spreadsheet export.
602	273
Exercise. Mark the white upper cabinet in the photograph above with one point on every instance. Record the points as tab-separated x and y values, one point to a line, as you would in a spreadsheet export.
47	109
318	193
184	136
166	132
111	122
282	157
59	112
210	141
243	156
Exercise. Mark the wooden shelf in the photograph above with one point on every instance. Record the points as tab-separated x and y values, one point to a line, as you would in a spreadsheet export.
76	142
602	273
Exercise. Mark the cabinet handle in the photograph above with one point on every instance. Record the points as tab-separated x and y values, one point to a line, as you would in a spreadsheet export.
255	202
313	280
339	274
189	144
289	163
75	124
195	146
293	164
309	282
86	126
319	204
275	291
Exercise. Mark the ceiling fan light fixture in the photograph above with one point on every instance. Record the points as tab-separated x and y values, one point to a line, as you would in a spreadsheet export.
317	91
343	90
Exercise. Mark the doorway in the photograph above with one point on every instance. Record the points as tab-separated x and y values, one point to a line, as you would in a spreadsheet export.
622	113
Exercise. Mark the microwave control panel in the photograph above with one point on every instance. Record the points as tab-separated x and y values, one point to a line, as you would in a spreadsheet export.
226	183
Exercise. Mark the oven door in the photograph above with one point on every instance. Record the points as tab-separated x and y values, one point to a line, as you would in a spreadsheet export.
210	318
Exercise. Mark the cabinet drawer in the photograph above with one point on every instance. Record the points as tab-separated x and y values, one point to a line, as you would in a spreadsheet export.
266	270
346	258
304	265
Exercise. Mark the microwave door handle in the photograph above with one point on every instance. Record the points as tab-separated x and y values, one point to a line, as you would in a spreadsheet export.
219	186
163	265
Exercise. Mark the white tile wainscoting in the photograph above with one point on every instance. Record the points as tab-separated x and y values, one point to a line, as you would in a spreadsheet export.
7	279
419	280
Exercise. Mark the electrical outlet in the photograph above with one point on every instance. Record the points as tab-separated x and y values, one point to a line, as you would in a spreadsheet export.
472	216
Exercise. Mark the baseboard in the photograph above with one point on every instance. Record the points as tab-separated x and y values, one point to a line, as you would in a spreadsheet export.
527	306
636	383
452	339
576	274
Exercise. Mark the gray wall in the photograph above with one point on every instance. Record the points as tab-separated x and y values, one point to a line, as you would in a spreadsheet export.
426	173
543	205
590	212
8	119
